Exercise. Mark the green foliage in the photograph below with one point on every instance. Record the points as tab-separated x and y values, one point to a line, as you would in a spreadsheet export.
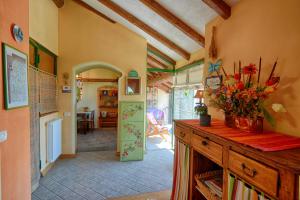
268	117
201	109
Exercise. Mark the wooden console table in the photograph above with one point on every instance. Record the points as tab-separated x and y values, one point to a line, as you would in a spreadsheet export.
276	174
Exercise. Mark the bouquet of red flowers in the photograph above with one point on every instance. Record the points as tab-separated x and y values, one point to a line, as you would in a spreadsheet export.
242	96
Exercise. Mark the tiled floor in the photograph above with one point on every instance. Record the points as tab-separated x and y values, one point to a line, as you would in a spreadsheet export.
99	175
102	139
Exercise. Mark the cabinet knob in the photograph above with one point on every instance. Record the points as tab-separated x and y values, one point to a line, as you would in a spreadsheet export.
204	143
182	134
249	172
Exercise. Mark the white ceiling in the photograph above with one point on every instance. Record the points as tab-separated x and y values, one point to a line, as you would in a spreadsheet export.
193	12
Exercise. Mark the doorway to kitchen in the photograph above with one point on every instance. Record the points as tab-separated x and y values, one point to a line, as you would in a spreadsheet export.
97	110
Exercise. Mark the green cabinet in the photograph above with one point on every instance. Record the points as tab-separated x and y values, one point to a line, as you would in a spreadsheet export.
132	130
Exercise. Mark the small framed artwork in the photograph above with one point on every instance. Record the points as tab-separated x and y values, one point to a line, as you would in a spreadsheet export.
133	86
213	82
15	77
133	83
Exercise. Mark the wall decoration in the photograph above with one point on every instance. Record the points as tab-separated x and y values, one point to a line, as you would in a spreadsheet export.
213	48
17	33
133	73
133	83
66	77
214	67
213	82
15	77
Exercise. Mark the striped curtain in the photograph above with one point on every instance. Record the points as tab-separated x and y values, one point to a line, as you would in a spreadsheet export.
181	172
239	190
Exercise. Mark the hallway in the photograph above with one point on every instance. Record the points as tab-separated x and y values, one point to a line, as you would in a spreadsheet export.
99	175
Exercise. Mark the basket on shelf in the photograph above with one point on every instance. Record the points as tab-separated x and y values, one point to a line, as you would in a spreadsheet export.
203	188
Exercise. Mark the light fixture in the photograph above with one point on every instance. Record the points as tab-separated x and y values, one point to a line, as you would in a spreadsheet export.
199	94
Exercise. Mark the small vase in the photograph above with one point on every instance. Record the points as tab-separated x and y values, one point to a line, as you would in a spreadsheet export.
249	124
229	120
205	120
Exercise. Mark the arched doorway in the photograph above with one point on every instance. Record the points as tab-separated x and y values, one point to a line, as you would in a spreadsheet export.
79	69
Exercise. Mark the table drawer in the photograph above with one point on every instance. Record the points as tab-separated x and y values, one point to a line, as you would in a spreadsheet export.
183	133
208	148
255	173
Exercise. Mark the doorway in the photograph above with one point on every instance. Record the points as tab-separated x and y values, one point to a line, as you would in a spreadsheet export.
159	131
97	109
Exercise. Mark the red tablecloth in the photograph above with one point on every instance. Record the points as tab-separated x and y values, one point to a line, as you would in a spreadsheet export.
266	141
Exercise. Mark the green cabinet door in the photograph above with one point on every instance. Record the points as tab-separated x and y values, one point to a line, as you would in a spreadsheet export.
132	130
132	111
132	150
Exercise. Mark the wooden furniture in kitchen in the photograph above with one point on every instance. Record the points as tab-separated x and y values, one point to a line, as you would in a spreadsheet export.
108	106
274	173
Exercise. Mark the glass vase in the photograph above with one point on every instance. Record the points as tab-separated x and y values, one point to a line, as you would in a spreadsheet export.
229	120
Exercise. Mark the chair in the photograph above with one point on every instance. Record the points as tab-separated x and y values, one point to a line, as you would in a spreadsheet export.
86	122
154	128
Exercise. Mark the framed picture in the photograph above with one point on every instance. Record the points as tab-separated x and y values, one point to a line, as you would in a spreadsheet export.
15	77
213	82
133	85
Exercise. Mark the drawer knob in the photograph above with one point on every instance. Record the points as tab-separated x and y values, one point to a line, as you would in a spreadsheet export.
249	172
182	134
204	143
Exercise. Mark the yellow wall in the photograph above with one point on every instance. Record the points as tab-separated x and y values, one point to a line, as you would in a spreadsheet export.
194	56
85	37
269	29
43	23
43	138
100	73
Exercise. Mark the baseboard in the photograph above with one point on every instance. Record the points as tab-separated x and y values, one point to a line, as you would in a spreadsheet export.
66	156
46	169
34	187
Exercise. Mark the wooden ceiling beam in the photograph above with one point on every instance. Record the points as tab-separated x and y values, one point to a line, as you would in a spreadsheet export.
59	3
164	77
164	88
169	83
154	62
154	49
220	6
149	65
140	24
175	21
90	8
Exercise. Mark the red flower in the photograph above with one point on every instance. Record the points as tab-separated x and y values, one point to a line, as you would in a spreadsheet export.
250	69
237	76
273	81
240	85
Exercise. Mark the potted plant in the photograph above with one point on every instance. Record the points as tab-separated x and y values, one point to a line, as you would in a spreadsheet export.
202	110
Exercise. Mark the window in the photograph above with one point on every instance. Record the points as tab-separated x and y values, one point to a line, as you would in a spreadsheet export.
187	82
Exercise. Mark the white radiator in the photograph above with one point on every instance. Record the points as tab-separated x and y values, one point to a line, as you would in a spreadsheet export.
54	141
